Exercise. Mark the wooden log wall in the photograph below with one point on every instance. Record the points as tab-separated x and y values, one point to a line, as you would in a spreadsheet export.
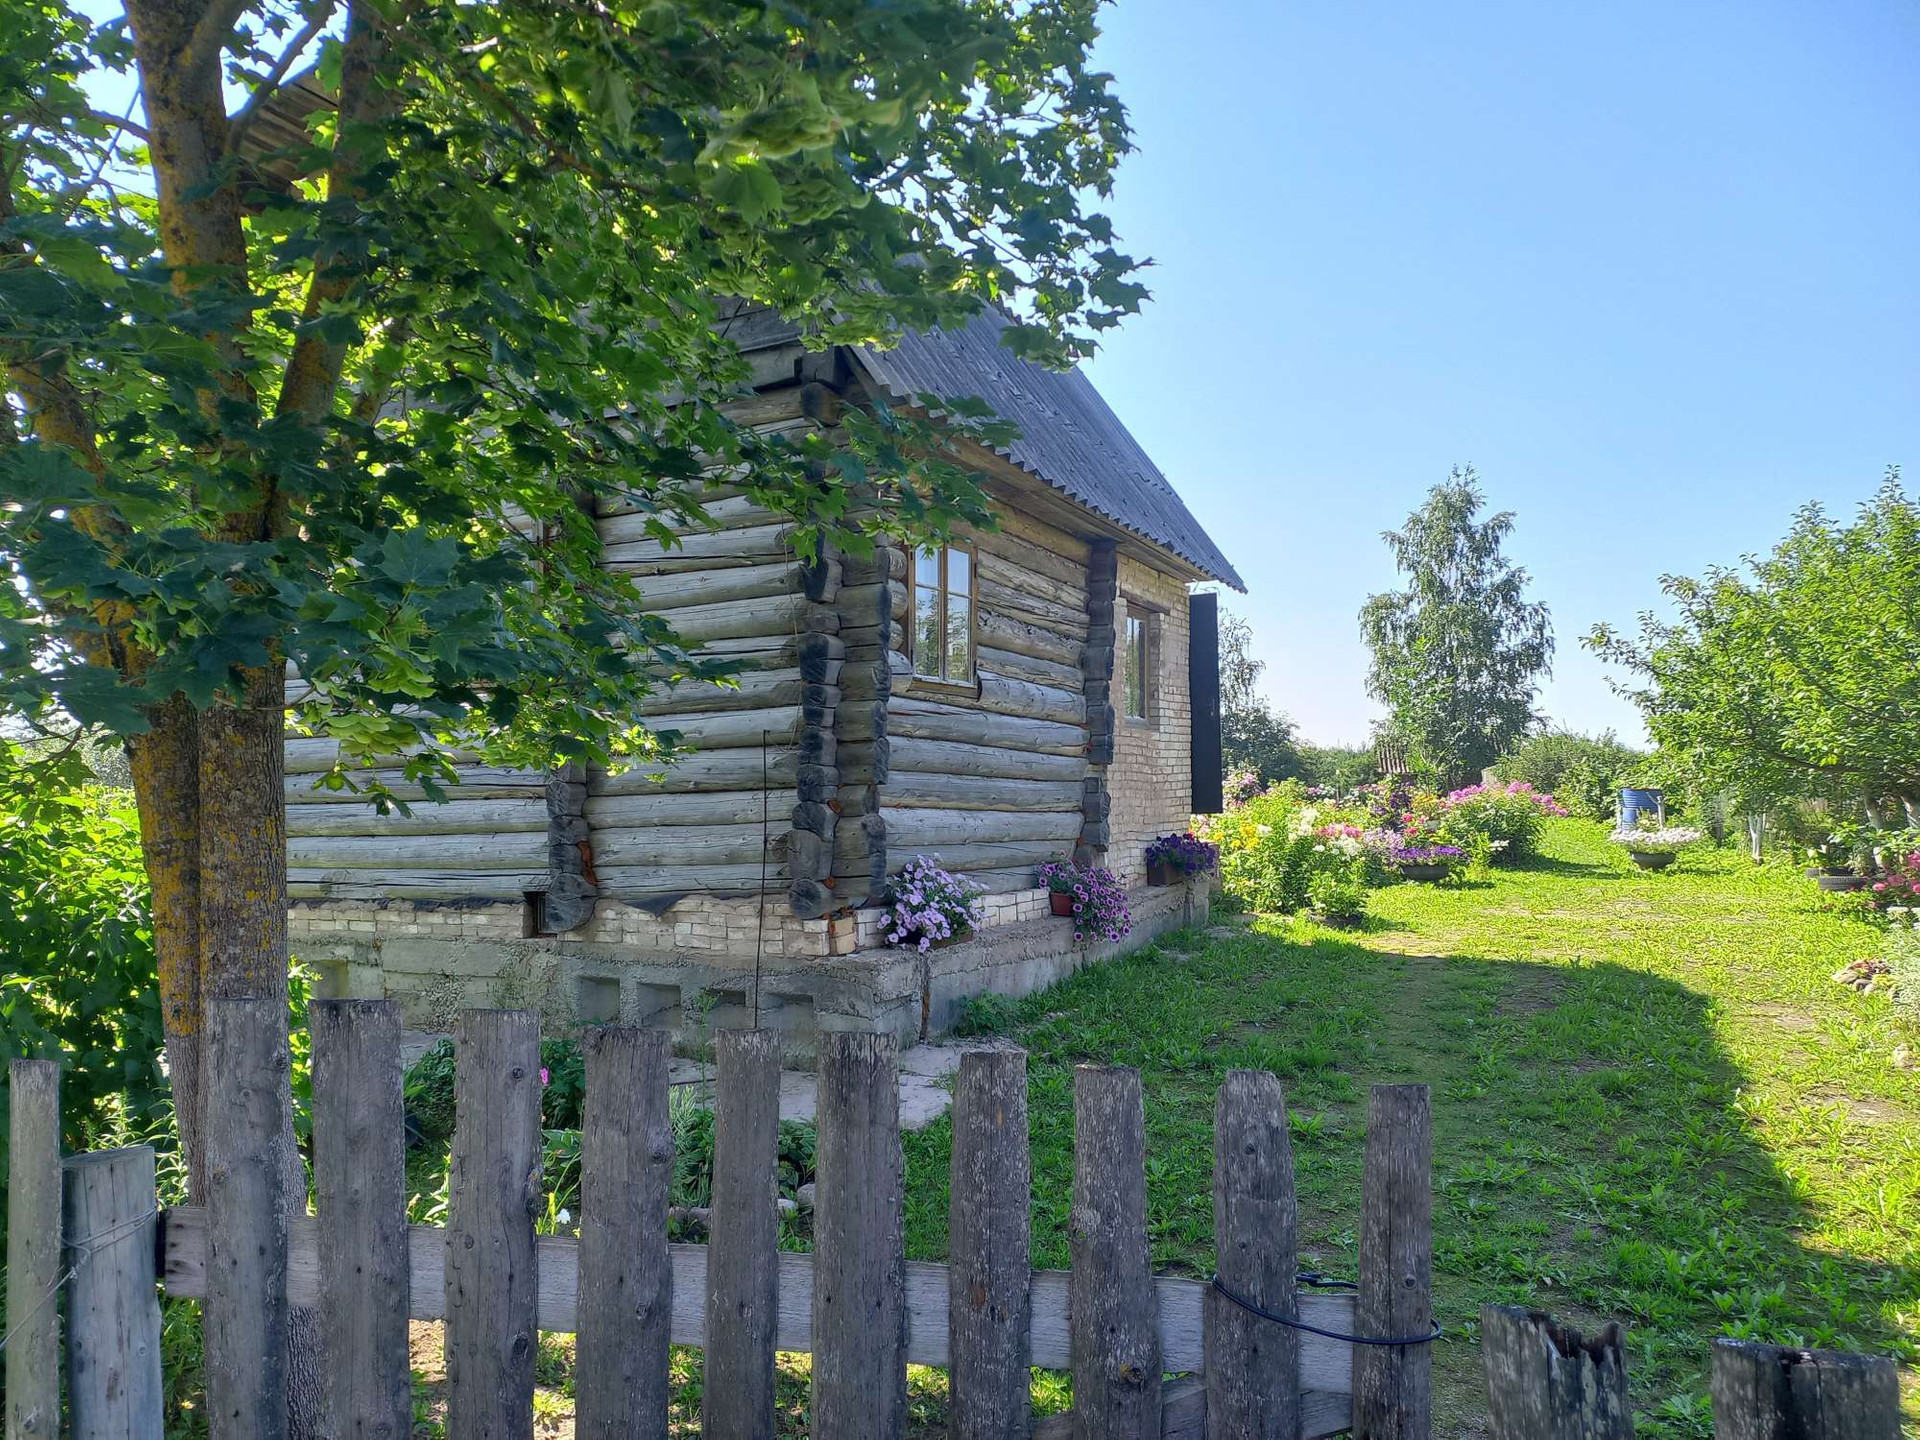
749	808
992	780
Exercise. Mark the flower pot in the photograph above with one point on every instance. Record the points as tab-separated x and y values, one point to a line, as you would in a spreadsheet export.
1428	873
1835	883
1653	859
1161	873
1061	902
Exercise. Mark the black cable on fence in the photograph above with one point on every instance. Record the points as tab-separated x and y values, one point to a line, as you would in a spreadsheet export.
1321	1282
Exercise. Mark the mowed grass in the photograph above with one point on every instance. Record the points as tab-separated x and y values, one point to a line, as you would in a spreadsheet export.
1651	1103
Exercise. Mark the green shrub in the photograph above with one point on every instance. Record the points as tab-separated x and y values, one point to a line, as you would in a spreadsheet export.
1507	816
428	1089
1584	772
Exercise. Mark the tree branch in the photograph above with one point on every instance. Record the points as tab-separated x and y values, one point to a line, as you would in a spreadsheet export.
122	122
210	35
271	84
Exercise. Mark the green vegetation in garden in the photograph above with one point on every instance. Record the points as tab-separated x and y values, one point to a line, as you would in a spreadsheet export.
1651	1102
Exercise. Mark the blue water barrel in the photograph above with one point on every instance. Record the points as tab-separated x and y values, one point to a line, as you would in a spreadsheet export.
1633	803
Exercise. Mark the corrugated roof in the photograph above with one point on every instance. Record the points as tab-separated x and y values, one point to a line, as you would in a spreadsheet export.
1069	437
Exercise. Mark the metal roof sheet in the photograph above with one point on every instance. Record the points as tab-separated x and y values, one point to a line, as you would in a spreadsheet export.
1069	437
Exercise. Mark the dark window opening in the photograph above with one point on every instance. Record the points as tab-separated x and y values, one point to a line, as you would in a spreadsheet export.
534	924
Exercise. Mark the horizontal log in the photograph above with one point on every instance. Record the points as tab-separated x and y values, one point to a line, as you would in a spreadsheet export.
777	727
940	791
1010	573
664	594
1016	666
1326	1366
985	855
454	817
1005	695
750	542
772	617
730	513
1018	605
675	812
1032	527
312	755
1064	569
671	846
808	652
916	828
310	883
704	771
621	881
754	690
1003	632
1002	882
514	851
937	720
477	782
983	761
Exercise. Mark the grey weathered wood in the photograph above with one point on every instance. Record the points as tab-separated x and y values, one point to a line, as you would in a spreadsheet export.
673	812
1020	637
626	1275
454	817
934	720
743	1289
753	543
990	1304
1253	1364
476	784
667	593
310	882
33	1249
733	880
859	1278
114	1387
737	769
983	761
1114	1333
1393	1385
1055	674
773	726
1546	1381
931	790
675	845
1765	1392
511	851
922	829
246	1318
493	1189
1065	565
360	1189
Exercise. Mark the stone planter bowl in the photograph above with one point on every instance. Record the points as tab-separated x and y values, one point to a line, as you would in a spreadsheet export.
1837	883
1427	873
1653	859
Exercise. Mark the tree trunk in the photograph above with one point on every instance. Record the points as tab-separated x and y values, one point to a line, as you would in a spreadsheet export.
166	785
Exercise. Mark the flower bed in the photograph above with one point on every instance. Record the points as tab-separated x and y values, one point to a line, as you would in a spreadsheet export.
1176	857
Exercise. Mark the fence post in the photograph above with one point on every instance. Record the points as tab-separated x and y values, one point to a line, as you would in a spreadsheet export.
860	1267
626	1275
1253	1365
1548	1382
1113	1330
493	1189
989	1282
743	1276
1765	1392
1393	1384
113	1306
360	1184
33	1250
246	1320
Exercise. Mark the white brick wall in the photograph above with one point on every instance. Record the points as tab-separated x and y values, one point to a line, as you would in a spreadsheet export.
1151	778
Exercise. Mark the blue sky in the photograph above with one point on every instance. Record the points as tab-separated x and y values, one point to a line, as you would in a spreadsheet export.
1650	267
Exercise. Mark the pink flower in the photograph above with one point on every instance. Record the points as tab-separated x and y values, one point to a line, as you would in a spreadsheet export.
545	1078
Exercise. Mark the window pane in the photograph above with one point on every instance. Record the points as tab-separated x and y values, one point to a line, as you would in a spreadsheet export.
926	631
926	568
959	577
959	660
1136	667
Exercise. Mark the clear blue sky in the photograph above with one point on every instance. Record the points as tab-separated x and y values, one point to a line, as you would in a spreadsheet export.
1652	268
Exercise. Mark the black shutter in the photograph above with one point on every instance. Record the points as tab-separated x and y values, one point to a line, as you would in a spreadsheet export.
1203	694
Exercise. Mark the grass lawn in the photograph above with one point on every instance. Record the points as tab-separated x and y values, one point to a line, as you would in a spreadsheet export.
1651	1102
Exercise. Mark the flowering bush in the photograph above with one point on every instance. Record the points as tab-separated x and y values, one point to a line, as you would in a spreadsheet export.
1100	908
1447	855
1187	853
928	904
1242	785
1508	814
1898	886
1670	841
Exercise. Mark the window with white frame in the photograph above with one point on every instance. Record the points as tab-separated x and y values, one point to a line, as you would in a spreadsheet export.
943	615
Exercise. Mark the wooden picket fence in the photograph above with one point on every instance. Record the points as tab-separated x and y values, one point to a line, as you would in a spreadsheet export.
854	1303
90	1228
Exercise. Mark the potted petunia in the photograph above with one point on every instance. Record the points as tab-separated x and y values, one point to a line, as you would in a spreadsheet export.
1173	858
1060	877
1425	862
1655	849
1094	899
927	906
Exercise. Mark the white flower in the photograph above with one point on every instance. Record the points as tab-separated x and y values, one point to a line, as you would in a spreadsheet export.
565	1216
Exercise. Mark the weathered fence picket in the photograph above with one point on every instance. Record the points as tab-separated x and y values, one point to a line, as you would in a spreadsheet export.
1117	1363
33	1251
113	1311
621	1383
247	1320
1239	1366
360	1194
493	1188
989	1284
859	1267
743	1277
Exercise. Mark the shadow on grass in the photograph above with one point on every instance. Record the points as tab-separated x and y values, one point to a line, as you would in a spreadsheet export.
1551	865
1593	1154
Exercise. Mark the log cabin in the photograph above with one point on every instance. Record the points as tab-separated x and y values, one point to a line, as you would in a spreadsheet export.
1045	688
